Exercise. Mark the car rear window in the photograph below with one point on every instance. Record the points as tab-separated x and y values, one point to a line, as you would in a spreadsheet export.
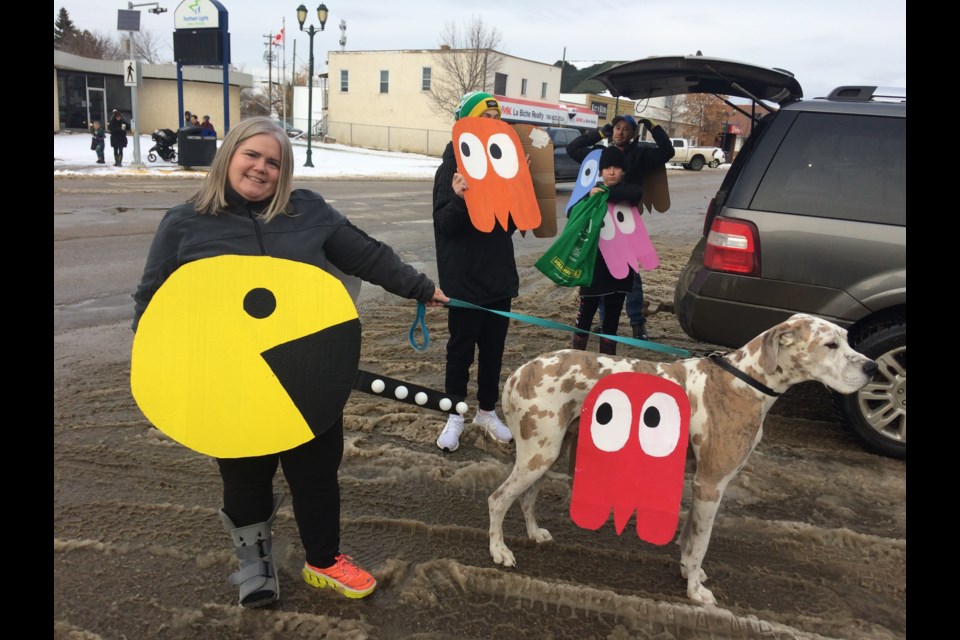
851	167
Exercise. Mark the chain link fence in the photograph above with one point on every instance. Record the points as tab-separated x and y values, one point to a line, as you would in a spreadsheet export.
430	142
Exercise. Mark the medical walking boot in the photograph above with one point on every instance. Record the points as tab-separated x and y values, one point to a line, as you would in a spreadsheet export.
257	577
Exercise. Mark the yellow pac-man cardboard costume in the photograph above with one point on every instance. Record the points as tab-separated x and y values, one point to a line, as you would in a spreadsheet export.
239	356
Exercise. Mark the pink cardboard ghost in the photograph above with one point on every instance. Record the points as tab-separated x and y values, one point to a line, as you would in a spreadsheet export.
624	241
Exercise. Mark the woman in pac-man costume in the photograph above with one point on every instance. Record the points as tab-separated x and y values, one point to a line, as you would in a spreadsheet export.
236	284
476	266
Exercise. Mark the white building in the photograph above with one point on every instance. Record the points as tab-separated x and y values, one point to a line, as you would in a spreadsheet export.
380	99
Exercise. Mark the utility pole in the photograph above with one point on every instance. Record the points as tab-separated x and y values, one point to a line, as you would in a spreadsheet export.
269	59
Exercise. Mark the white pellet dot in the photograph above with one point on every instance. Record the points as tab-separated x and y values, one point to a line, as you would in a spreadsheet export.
445	404
421	398
462	408
401	392
377	386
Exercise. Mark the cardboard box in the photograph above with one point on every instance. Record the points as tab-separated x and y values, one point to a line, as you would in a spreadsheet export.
539	147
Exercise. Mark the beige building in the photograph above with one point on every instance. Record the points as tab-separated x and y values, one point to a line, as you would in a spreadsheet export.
85	90
380	99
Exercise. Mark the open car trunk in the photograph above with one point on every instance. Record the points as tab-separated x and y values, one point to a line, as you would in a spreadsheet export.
676	75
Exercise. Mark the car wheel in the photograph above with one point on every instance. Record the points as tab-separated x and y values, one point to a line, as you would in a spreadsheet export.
877	414
714	164
696	164
152	157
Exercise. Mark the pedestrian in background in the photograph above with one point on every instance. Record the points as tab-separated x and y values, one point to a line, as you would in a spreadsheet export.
118	127
207	126
99	140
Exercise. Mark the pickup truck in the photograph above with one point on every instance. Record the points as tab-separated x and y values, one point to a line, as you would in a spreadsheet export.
694	158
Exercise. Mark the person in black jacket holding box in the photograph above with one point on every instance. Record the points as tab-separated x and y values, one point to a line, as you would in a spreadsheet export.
622	133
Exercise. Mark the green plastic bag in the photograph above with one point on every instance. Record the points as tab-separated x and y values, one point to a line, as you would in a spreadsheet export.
569	260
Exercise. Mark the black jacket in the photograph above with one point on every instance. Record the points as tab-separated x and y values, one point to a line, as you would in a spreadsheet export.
315	234
639	157
118	135
603	281
473	266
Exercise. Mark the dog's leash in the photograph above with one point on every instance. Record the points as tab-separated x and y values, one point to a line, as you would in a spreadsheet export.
420	323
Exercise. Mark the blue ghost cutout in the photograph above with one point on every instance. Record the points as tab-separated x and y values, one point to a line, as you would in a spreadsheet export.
587	179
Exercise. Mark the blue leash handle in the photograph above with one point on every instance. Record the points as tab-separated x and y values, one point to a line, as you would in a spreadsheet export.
550	324
420	322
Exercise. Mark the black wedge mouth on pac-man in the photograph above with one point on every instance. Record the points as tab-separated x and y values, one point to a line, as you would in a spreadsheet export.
317	371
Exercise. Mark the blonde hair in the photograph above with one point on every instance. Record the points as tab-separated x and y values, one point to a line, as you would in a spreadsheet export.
211	199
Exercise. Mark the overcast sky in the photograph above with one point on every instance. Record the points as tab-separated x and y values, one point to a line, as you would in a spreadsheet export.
823	43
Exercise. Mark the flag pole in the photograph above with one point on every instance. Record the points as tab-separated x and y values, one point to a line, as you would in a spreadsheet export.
283	72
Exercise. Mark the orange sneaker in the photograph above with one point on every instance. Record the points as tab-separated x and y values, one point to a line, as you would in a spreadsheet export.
344	577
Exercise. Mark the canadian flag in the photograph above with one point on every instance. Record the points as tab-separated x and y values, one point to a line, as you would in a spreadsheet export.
279	38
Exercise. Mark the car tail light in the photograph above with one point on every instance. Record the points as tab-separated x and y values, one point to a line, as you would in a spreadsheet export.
732	246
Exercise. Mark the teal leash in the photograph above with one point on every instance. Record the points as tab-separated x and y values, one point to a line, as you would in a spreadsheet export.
420	321
540	322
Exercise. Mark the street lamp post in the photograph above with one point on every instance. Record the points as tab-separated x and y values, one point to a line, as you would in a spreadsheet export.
301	18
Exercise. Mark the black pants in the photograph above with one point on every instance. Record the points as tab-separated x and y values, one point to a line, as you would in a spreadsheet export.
118	154
311	472
612	305
486	332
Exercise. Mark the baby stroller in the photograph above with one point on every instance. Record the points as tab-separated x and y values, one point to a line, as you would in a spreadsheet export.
165	139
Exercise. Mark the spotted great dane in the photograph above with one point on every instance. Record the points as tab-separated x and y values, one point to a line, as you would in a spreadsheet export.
729	397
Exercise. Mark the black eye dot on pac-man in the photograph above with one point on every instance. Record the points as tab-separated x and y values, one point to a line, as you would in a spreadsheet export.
495	151
651	417
259	303
465	148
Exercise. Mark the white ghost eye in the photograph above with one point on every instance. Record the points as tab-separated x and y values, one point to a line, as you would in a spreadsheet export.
625	218
608	230
659	425
589	171
612	418
473	156
503	155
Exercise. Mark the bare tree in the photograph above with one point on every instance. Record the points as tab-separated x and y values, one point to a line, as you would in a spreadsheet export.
253	102
701	117
148	46
467	61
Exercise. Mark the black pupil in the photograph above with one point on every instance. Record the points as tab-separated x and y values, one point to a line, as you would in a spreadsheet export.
495	151
464	148
604	413
620	216
651	417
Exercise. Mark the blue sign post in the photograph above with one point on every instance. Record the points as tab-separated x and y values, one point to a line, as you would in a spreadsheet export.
202	37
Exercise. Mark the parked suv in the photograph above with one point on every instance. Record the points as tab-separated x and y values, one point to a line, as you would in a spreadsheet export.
811	217
565	168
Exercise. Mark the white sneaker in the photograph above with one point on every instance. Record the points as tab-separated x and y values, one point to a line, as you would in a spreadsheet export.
449	439
493	426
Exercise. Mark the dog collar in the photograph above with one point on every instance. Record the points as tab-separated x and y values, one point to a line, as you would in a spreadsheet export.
718	360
